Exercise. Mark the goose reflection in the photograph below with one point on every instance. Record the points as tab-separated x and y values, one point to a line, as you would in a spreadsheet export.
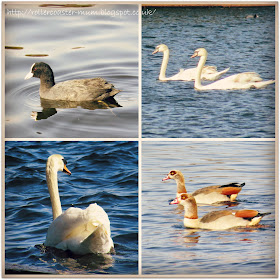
50	106
191	238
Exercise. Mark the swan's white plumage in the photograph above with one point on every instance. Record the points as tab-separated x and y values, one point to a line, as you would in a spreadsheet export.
246	80
208	72
80	231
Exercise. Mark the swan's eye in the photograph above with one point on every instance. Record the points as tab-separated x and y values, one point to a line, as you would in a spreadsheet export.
64	161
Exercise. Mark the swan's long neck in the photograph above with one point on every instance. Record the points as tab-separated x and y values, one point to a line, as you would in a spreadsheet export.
164	65
51	175
200	65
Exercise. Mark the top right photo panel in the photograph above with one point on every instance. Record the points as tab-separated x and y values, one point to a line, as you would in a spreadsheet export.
208	71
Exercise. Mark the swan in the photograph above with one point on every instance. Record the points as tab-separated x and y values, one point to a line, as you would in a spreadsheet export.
80	231
206	195
216	220
208	73
94	89
246	80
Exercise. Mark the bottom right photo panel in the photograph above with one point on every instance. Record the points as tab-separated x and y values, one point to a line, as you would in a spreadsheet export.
208	208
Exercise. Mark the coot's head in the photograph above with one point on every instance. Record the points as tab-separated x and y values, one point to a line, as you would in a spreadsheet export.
40	70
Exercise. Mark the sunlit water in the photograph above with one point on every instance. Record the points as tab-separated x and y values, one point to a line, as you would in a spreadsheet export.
168	248
102	172
78	46
174	109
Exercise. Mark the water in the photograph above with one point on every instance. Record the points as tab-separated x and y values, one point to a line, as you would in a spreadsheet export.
102	172
78	46
174	109
168	248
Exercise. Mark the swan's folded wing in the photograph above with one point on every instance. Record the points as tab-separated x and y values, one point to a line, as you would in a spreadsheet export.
185	75
63	226
97	214
73	226
99	241
247	77
209	69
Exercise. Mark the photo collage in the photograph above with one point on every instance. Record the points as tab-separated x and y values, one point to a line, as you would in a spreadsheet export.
139	139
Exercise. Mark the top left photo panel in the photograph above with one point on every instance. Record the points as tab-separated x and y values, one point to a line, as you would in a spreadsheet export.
71	70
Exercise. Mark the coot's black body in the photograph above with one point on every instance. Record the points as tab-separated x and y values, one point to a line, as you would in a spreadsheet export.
94	89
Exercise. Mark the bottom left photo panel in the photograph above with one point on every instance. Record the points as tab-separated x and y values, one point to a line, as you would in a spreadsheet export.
86	223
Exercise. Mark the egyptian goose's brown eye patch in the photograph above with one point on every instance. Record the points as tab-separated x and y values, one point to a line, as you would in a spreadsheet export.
172	172
184	197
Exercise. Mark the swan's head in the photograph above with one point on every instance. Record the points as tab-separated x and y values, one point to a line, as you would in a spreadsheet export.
57	163
160	48
174	174
199	52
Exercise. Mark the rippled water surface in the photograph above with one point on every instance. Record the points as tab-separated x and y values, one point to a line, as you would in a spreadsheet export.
100	43
102	172
168	248
174	108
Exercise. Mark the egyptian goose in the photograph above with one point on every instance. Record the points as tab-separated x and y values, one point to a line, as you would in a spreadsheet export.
216	220
207	195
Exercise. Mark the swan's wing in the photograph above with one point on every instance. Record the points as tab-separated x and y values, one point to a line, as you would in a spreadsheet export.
208	73
99	241
184	75
209	69
75	225
63	227
247	77
97	215
211	74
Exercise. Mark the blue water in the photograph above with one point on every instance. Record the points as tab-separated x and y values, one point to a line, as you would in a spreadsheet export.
102	172
174	109
78	46
168	248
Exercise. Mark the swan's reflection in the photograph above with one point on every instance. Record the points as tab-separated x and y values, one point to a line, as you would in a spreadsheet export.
77	264
50	106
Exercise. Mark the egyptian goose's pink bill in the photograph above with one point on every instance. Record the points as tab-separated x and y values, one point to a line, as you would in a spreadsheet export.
207	195
216	220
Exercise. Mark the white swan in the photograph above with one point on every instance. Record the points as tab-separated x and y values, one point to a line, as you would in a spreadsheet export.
208	73
246	80
80	231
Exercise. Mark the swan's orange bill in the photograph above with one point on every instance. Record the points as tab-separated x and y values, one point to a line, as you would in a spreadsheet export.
66	170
